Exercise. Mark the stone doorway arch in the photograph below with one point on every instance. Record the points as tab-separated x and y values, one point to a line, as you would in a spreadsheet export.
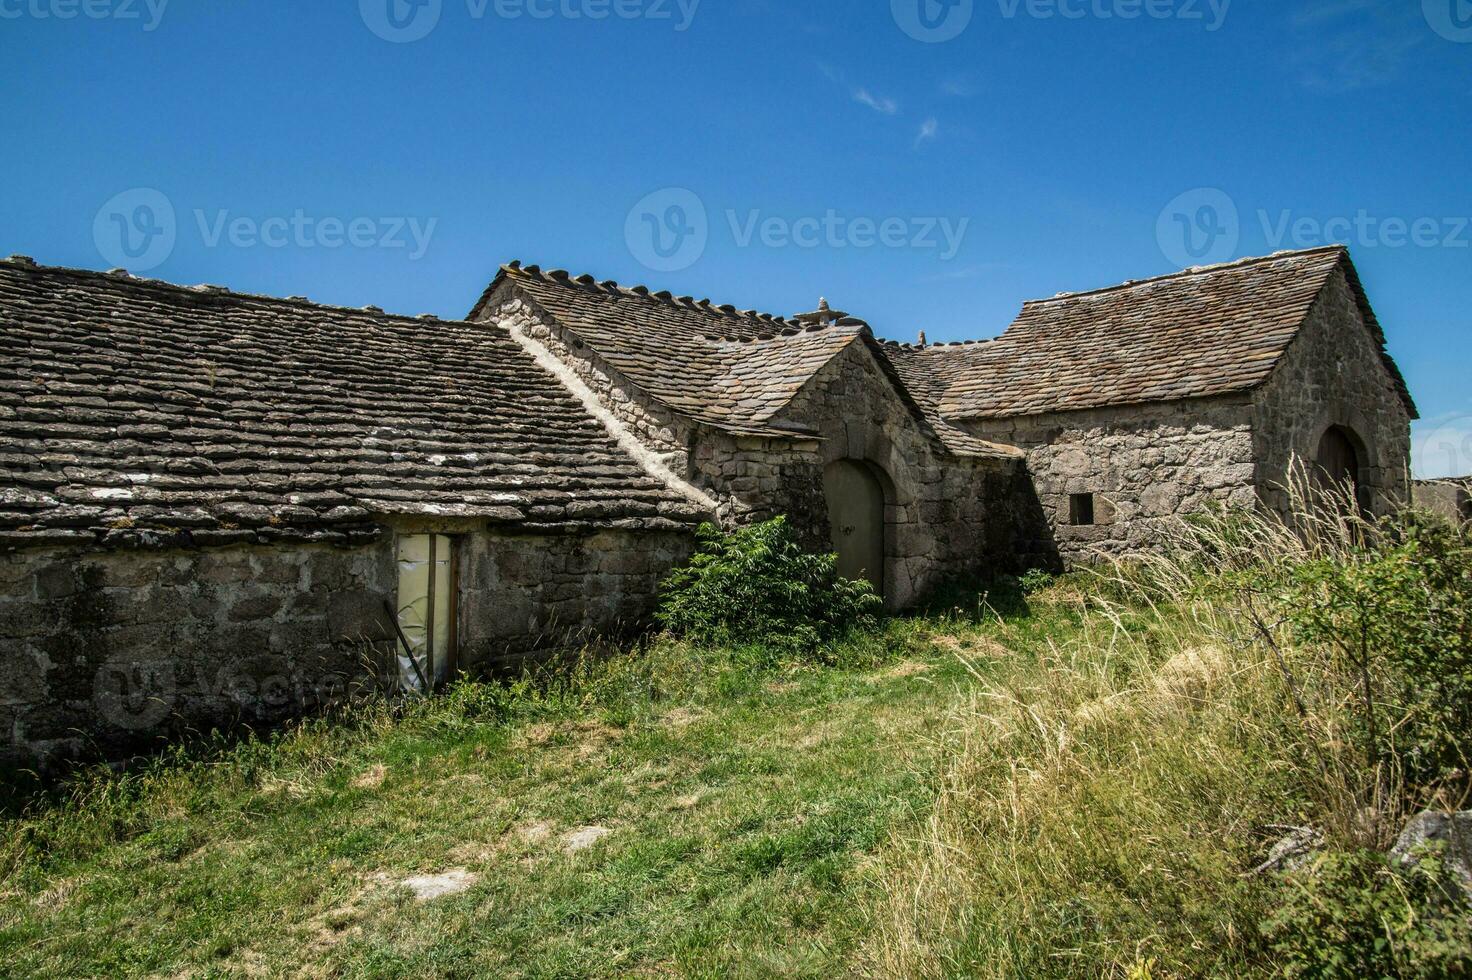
856	500
1339	462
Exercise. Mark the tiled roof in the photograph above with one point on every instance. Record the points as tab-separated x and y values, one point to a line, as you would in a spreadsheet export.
1193	334
128	404
733	369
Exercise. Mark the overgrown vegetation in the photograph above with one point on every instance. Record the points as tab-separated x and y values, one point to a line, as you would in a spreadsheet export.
1038	777
1112	797
1355	914
759	586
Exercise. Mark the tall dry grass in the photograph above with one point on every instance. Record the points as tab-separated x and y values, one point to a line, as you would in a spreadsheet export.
1116	779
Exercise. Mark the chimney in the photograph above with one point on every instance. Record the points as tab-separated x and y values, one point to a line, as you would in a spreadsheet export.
823	316
922	338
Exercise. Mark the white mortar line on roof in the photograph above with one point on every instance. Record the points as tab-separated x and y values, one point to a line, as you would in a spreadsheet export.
654	464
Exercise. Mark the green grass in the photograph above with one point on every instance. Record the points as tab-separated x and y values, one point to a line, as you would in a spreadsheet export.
1070	784
745	800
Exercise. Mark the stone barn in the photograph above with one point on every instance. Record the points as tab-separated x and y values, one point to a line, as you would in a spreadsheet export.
1141	402
1094	418
216	506
208	501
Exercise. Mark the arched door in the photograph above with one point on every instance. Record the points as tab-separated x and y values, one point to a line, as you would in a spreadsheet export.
1338	460
1337	465
856	517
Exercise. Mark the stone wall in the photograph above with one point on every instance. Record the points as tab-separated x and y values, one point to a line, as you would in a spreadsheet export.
946	515
526	593
106	651
1144	465
1333	375
1451	499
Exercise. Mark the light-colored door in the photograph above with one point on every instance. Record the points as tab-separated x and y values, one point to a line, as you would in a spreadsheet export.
856	518
427	608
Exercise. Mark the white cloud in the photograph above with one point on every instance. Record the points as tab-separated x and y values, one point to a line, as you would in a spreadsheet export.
887	106
928	129
1442	447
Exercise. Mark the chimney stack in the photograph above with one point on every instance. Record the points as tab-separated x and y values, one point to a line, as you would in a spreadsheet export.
823	316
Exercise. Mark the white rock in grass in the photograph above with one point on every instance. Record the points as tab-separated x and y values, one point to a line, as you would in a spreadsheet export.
1453	830
581	840
427	888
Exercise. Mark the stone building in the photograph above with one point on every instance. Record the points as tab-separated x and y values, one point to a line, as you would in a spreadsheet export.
208	499
1141	402
216	506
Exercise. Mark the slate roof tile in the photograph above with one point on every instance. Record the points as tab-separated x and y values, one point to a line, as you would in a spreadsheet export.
733	370
133	402
1197	333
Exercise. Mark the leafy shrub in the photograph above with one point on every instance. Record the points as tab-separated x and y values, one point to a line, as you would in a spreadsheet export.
1393	618
1035	580
1353	915
758	585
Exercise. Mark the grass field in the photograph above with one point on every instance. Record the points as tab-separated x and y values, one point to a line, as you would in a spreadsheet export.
729	811
1067	784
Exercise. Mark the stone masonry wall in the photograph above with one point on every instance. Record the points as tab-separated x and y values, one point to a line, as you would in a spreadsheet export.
1333	375
1144	465
525	593
946	515
99	650
105	651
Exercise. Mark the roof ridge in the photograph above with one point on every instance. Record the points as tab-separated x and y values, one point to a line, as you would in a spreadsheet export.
1195	270
724	311
123	276
905	345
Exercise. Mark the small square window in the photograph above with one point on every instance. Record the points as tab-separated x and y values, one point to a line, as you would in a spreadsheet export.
1081	509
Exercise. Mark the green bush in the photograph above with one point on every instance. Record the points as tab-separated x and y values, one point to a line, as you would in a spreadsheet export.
1354	915
1393	617
758	585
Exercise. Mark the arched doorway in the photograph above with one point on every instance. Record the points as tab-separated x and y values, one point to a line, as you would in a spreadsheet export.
856	519
1337	462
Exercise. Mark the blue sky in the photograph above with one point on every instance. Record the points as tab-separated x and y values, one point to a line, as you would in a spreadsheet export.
852	149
